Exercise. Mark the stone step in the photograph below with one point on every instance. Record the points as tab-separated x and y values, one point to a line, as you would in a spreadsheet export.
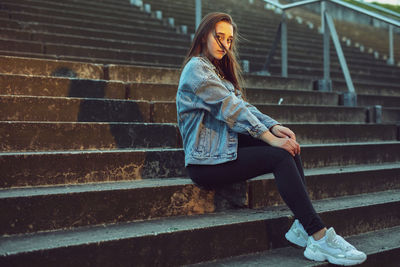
139	74
391	115
382	249
53	33
367	87
86	23
39	31
69	167
160	92
52	68
163	92
314	70
62	109
64	136
60	136
66	109
386	101
93	52
166	112
28	85
171	76
66	87
129	201
74	10
119	243
84	59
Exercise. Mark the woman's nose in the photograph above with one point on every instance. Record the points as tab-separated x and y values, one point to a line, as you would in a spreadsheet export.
225	43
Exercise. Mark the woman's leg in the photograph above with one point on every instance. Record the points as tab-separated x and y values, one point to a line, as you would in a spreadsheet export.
253	161
247	140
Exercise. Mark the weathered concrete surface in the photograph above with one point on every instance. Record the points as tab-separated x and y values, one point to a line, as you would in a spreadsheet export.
142	75
23	46
62	87
312	133
386	101
391	115
91	166
30	66
291	97
315	156
52	208
24	108
46	168
87	12
152	91
369	87
170	241
43	136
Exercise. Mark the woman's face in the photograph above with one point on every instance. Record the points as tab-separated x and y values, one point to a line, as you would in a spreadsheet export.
224	32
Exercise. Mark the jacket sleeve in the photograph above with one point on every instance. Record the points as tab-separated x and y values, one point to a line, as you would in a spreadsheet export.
222	103
265	119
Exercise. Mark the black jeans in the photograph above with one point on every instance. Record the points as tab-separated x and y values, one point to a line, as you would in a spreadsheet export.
255	158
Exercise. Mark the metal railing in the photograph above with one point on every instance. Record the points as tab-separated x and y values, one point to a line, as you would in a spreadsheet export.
328	28
377	7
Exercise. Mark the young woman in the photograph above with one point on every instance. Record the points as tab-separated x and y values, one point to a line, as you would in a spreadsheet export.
227	140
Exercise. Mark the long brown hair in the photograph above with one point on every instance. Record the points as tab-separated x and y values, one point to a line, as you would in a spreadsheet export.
228	66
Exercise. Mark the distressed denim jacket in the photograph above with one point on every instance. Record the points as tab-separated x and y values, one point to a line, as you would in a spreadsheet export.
210	115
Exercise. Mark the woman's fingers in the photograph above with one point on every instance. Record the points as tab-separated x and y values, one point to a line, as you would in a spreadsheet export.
284	131
292	147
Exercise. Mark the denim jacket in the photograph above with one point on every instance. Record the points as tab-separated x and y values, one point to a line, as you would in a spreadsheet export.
210	115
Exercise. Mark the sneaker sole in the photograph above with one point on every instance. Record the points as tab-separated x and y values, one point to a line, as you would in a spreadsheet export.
322	257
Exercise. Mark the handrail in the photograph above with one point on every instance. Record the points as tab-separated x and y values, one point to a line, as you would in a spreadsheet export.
338	2
378	7
367	12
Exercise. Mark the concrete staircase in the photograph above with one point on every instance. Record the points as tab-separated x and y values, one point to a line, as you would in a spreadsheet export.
91	158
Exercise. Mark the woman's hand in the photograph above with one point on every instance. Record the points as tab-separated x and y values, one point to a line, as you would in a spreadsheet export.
285	142
282	131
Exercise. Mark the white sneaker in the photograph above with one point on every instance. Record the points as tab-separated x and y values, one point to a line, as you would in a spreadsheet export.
335	249
297	235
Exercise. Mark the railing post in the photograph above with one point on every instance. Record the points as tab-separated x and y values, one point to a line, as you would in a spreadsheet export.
323	8
348	98
325	84
284	55
327	58
198	13
390	61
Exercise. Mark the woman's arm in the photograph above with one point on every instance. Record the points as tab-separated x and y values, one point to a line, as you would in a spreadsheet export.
289	144
265	119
